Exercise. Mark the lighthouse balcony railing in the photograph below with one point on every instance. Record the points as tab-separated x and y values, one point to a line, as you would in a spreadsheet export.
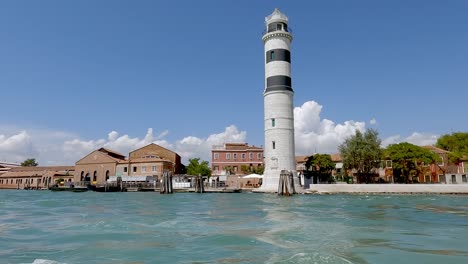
288	30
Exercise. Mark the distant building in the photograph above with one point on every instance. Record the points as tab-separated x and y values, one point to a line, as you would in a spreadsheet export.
98	166
150	160
6	166
35	177
235	159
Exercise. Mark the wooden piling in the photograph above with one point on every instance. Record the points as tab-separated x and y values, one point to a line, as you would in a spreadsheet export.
166	184
286	183
199	188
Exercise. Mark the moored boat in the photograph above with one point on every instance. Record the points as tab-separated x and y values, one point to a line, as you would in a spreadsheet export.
70	188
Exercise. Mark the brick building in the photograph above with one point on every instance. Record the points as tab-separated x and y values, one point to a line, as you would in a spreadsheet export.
235	159
35	177
150	160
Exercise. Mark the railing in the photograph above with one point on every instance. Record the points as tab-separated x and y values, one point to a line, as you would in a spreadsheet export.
288	30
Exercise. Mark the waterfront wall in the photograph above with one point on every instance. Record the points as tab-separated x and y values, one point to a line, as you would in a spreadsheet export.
389	188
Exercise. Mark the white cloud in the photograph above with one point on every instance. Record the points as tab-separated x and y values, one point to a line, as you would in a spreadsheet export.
373	121
16	147
419	139
313	134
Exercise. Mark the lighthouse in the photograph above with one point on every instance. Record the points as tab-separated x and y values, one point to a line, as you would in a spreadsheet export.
279	152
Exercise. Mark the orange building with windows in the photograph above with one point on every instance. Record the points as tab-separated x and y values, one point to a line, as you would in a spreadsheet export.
235	159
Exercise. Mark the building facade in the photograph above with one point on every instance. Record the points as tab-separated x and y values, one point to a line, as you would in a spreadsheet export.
39	177
98	166
236	159
150	160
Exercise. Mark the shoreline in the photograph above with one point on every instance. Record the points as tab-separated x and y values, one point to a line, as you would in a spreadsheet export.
388	189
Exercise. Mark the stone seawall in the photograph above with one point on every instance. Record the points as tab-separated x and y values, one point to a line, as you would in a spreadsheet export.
389	188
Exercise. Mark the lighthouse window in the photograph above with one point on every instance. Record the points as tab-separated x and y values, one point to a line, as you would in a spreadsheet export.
273	122
274	145
272	55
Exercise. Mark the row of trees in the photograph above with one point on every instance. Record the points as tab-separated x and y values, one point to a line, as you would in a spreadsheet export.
362	153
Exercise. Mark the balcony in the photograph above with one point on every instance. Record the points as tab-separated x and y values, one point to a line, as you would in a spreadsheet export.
288	30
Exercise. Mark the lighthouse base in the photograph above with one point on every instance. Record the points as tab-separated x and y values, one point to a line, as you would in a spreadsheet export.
271	180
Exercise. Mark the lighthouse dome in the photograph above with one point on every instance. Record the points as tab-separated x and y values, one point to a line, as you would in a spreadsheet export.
276	16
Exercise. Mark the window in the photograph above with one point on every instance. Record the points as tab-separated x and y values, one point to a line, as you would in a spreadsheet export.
251	155
125	169
454	179
279	26
259	155
273	122
464	178
441	161
32	181
243	156
143	168
235	168
216	156
274	144
228	155
134	169
215	168
442	178
388	163
95	176
153	168
427	178
272	55
235	155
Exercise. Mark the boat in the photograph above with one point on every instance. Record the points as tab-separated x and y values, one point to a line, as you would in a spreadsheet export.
69	188
107	188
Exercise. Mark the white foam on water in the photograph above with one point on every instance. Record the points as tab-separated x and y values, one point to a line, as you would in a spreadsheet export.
46	261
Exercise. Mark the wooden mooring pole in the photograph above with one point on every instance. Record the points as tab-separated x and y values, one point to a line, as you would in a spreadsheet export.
199	188
286	183
166	184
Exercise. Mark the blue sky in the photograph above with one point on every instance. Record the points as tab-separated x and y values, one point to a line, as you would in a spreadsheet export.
73	71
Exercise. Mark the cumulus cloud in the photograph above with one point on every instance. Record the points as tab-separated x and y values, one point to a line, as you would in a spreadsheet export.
419	139
16	147
191	147
188	147
313	134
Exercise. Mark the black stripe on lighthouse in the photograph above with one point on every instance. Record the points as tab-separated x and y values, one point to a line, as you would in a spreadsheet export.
278	83
278	55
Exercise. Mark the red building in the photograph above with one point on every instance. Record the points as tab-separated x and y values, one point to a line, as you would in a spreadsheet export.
235	159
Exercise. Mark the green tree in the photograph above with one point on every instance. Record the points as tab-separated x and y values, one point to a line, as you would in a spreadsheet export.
362	152
29	163
456	143
407	160
196	167
259	170
320	165
245	169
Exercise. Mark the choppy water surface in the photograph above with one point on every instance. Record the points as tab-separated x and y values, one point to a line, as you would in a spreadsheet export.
47	227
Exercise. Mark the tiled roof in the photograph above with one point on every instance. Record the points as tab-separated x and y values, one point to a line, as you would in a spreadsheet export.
238	146
435	149
301	159
43	168
112	151
336	157
35	173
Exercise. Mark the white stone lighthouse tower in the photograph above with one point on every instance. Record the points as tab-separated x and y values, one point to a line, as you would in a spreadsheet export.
279	150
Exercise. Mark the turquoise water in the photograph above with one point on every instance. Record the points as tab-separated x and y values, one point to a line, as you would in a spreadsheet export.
47	227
